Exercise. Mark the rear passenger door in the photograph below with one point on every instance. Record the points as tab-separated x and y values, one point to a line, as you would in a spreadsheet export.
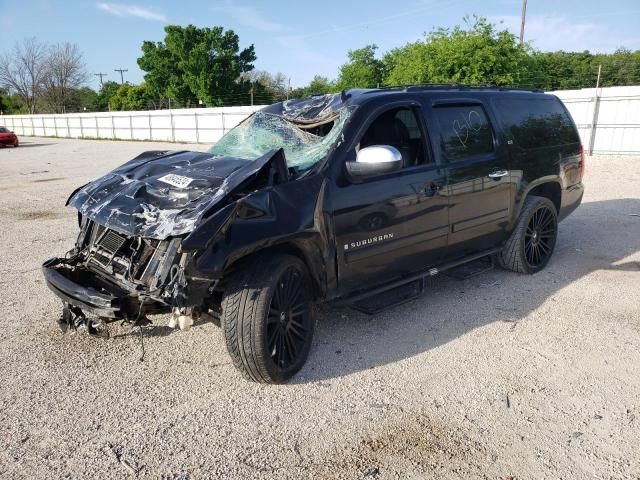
478	177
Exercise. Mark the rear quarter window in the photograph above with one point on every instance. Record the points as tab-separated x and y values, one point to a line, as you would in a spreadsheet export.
464	131
535	122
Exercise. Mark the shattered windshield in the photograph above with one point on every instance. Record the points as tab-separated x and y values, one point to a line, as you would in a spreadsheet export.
263	132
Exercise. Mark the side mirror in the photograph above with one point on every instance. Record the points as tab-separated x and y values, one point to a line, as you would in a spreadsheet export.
375	160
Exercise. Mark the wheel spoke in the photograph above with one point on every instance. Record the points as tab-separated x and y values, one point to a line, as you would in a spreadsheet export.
298	309
271	339
292	349
299	325
295	293
547	221
535	219
280	350
295	331
291	285
544	248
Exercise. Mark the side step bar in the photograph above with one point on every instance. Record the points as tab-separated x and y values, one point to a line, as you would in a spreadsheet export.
354	301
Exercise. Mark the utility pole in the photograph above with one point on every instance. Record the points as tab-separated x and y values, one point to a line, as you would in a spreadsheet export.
288	87
523	16
251	91
100	74
594	118
121	70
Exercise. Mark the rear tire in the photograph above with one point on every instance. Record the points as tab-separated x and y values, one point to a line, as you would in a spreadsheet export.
532	241
267	318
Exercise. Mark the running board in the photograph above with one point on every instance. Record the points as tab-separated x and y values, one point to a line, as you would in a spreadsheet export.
390	294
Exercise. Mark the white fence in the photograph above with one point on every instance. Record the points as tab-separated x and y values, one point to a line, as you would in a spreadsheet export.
608	121
198	125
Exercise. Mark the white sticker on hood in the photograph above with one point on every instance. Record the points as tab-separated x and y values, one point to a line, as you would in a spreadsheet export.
176	180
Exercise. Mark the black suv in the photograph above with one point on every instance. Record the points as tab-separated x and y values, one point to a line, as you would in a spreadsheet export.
332	198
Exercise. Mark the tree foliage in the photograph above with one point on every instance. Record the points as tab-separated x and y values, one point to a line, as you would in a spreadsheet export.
132	97
11	104
363	70
108	90
476	53
195	64
319	85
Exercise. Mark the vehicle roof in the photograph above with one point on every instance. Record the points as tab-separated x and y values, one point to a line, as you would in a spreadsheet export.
318	109
359	96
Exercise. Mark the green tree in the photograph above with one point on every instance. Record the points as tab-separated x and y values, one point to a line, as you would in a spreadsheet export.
82	98
107	91
195	64
11	104
319	85
475	54
559	70
363	70
132	97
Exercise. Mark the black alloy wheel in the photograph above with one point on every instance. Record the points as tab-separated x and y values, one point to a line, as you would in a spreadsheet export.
540	237
289	321
530	245
267	317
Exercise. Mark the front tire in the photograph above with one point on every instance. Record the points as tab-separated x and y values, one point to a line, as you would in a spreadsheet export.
267	318
532	241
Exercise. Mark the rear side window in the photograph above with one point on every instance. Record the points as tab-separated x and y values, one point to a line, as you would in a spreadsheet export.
464	131
535	123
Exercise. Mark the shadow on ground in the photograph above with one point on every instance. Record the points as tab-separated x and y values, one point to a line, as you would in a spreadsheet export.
598	236
33	144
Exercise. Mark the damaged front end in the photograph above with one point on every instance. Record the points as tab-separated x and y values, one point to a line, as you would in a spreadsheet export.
127	262
117	277
155	233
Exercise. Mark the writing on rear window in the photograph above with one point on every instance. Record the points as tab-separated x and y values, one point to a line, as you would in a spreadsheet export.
464	132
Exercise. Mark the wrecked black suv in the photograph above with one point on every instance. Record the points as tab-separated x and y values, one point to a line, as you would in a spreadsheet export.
332	198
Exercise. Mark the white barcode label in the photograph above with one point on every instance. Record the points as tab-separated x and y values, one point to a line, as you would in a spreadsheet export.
176	180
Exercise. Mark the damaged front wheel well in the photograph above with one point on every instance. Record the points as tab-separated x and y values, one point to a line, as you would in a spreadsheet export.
284	248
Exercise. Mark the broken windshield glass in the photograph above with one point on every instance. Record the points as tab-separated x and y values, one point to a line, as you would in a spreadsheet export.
263	132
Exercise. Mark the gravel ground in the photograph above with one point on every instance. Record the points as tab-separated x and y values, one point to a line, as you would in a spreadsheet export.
497	376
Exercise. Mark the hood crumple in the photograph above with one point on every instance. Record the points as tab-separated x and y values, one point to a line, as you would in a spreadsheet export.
162	194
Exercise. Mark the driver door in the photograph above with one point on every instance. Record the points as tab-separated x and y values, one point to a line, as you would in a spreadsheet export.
390	225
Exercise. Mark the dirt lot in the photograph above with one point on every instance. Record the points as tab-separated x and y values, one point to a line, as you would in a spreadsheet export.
498	376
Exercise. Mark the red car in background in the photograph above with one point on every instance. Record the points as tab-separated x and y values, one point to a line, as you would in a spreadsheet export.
7	137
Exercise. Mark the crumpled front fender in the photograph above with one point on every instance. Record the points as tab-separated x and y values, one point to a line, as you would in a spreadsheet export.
285	215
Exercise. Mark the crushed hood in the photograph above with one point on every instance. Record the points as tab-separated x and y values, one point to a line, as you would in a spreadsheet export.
163	194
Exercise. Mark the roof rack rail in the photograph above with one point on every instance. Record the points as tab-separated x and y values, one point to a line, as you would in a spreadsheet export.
453	86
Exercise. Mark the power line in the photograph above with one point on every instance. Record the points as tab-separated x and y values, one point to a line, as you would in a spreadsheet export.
121	70
100	74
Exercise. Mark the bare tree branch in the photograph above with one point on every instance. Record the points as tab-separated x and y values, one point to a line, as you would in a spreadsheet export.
65	72
22	70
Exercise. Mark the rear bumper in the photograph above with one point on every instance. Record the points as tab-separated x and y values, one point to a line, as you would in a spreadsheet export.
571	199
80	289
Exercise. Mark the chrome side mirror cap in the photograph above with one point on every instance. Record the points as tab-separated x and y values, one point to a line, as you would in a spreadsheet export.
375	160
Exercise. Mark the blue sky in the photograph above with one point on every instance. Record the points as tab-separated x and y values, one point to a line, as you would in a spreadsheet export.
300	38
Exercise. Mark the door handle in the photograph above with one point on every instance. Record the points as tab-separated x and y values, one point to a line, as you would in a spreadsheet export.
431	188
499	173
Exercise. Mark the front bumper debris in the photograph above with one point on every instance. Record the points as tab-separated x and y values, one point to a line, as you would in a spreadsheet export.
85	290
